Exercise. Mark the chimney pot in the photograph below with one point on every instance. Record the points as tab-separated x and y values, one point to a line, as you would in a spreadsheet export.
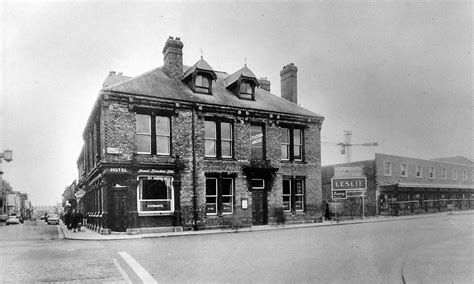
264	84
111	72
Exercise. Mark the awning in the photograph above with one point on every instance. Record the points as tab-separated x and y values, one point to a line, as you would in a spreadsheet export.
432	185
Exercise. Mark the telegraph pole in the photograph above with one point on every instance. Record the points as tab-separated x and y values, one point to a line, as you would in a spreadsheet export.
347	145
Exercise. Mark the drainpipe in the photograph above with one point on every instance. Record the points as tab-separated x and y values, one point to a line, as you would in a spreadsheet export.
193	131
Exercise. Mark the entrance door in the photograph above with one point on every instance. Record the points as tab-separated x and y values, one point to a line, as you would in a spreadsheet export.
119	212
259	202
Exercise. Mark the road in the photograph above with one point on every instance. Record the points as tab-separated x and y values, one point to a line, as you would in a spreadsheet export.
425	250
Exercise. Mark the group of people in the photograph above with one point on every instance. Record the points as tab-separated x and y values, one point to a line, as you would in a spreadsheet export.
73	220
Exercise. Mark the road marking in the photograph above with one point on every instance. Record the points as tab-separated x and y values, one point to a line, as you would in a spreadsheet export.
122	272
139	270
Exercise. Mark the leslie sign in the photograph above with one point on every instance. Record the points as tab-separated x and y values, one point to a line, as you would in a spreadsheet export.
355	183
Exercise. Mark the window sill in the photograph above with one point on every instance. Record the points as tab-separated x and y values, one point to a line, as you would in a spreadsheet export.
146	214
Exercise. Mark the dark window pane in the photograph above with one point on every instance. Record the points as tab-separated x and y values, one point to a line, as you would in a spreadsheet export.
154	189
299	187
226	186
211	186
258	183
286	186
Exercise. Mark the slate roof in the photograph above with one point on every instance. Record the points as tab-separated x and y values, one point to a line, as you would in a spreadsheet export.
156	83
200	65
113	79
243	72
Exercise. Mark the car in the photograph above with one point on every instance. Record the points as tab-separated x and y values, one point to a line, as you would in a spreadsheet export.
53	219
12	220
3	217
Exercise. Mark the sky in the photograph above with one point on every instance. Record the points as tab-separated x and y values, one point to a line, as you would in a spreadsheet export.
394	72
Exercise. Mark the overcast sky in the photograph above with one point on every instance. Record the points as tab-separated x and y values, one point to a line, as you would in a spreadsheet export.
396	73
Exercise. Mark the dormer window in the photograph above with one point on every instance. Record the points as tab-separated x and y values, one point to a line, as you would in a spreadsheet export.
202	84
246	91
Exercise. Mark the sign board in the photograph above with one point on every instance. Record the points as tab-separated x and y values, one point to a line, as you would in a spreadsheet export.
355	183
116	170
111	150
354	171
155	171
339	194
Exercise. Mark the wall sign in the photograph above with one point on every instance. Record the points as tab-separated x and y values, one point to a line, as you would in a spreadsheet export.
111	150
359	183
155	171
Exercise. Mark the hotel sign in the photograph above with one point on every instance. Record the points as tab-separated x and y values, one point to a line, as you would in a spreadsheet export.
353	183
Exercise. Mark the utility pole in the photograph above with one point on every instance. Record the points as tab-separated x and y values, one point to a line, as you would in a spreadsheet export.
346	146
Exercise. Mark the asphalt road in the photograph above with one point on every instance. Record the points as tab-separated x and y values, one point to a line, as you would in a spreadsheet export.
426	250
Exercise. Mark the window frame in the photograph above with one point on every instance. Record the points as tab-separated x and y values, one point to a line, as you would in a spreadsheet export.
218	140
290	133
292	181
153	135
419	174
432	172
219	196
444	173
201	88
140	179
387	165
263	138
403	167
455	174
245	95
464	175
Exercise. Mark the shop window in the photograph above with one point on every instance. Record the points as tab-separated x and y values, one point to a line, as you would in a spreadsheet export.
219	195
257	145
432	174
387	168
293	194
403	170
218	139
418	171
292	145
153	134
155	194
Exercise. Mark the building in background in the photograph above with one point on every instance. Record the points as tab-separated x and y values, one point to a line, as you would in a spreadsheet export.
195	148
400	185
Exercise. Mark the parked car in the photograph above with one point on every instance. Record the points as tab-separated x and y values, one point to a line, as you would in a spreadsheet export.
53	219
12	220
3	217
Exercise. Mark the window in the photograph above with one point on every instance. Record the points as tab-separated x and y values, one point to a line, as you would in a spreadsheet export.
155	194
256	142
292	144
203	84
387	168
293	194
419	172
218	139
432	172
219	195
153	134
403	170
444	173
464	175
246	91
455	174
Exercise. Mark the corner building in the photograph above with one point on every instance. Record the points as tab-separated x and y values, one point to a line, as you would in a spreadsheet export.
189	147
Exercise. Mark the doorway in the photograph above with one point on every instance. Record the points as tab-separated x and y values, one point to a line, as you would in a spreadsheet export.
259	202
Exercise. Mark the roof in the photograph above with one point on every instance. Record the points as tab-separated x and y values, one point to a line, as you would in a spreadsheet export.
113	79
243	72
200	65
156	83
456	160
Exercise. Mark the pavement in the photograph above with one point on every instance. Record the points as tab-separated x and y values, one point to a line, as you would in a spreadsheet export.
412	271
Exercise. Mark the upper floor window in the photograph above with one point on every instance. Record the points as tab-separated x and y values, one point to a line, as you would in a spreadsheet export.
218	139
418	171
432	172
403	170
202	84
246	91
292	144
257	142
464	175
444	173
153	134
293	194
387	168
455	174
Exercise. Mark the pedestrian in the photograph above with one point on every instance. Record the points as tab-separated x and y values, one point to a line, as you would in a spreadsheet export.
68	219
327	215
76	221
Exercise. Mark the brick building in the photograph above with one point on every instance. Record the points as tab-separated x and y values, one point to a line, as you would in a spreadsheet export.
195	148
400	185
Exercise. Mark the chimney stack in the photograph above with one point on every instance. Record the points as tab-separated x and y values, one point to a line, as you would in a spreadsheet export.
264	84
173	58
288	81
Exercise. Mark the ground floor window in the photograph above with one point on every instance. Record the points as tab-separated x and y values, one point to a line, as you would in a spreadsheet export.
155	194
219	195
293	194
